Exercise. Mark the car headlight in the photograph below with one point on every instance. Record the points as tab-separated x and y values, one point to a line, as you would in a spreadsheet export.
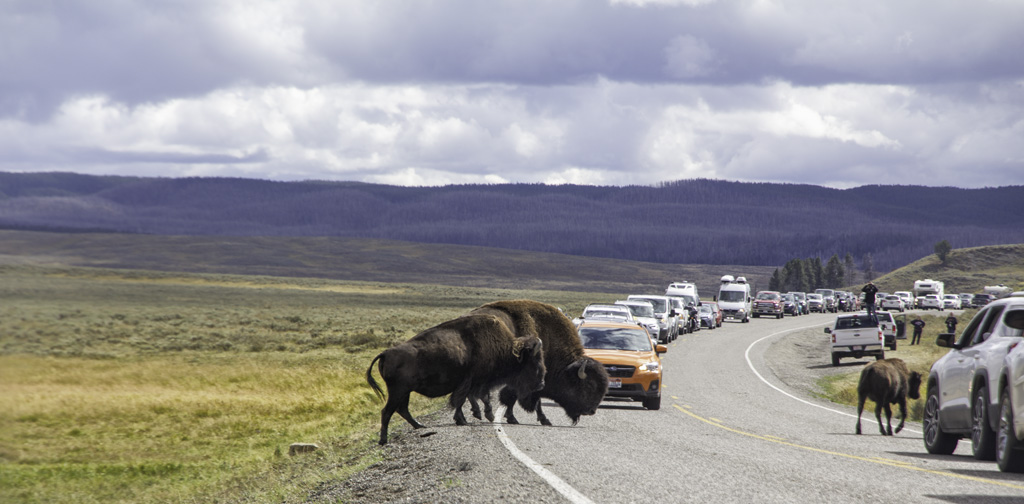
651	367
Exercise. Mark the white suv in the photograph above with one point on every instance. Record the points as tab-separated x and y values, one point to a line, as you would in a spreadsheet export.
963	398
1010	436
668	318
931	301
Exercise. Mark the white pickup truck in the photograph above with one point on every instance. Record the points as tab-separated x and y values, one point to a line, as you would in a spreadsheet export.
856	335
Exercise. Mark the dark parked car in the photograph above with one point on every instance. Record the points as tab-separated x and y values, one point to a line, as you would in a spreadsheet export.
980	300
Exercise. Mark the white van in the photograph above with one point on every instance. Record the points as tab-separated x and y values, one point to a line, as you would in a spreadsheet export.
734	298
683	289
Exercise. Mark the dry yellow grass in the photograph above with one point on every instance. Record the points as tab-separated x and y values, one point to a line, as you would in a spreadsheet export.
128	386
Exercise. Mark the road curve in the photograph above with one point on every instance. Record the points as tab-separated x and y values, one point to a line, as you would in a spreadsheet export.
731	430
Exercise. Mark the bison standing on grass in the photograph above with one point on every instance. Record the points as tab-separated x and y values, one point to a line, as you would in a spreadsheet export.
462	357
886	382
576	382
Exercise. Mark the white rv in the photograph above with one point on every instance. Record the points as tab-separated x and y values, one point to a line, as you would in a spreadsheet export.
924	287
685	290
734	298
997	291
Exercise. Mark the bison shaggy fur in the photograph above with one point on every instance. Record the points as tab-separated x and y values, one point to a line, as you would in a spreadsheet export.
576	382
463	357
887	382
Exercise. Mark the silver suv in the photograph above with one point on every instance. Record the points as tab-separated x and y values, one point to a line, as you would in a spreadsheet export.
1010	436
963	398
668	318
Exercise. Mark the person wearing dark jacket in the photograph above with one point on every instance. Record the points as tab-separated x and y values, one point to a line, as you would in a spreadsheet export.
951	323
918	329
869	297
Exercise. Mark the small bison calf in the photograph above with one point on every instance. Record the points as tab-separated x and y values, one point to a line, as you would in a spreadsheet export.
886	382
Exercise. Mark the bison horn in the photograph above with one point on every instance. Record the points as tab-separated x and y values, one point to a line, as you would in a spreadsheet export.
583	371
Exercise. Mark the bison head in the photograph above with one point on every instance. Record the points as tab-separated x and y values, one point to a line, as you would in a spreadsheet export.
530	353
914	386
580	388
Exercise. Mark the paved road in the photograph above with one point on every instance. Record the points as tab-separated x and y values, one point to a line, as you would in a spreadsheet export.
725	435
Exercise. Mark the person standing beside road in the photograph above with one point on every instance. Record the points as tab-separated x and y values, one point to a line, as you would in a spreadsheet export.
869	291
918	329
951	323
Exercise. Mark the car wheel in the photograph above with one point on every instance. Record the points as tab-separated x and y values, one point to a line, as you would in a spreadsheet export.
936	441
652	403
835	360
880	356
1009	452
983	438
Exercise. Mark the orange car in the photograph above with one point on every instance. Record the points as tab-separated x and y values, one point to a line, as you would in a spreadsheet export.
632	360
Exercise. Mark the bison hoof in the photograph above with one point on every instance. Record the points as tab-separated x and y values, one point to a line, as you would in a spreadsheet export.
545	421
490	417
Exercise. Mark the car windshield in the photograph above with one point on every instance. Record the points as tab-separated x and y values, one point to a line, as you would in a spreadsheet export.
641	310
814	297
705	309
615	338
660	305
604	313
767	295
730	296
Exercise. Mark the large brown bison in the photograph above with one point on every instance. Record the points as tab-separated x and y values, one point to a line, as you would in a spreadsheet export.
466	356
886	382
576	382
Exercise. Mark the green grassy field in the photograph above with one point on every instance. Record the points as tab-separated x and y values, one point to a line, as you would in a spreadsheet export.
131	386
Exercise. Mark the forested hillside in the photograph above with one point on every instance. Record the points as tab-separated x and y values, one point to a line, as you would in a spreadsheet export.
687	222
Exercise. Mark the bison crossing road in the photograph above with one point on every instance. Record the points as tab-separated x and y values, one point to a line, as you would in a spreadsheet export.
740	423
528	347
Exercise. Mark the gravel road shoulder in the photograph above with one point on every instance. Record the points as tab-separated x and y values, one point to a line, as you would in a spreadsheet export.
441	463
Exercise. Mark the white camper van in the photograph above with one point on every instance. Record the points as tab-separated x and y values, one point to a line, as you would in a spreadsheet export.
679	288
734	298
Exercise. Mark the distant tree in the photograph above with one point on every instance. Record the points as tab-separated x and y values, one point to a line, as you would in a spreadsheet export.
868	265
794	276
817	273
833	273
850	268
942	250
775	283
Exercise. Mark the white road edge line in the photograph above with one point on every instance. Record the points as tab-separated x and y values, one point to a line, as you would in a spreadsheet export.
557	483
783	392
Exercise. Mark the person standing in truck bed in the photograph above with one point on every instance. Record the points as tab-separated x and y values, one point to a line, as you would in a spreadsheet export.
869	291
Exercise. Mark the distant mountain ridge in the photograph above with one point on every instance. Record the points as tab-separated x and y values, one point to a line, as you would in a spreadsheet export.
687	222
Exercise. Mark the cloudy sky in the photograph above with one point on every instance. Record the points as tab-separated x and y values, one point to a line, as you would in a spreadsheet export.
429	92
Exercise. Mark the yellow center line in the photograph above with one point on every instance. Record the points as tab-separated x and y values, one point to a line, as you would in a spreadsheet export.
880	461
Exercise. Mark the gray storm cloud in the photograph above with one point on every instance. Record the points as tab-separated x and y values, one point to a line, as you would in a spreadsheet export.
624	92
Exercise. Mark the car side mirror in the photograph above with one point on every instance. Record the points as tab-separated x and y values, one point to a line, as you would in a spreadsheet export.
945	340
660	349
828	330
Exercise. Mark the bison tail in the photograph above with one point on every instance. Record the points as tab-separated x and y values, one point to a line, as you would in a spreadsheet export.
369	377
